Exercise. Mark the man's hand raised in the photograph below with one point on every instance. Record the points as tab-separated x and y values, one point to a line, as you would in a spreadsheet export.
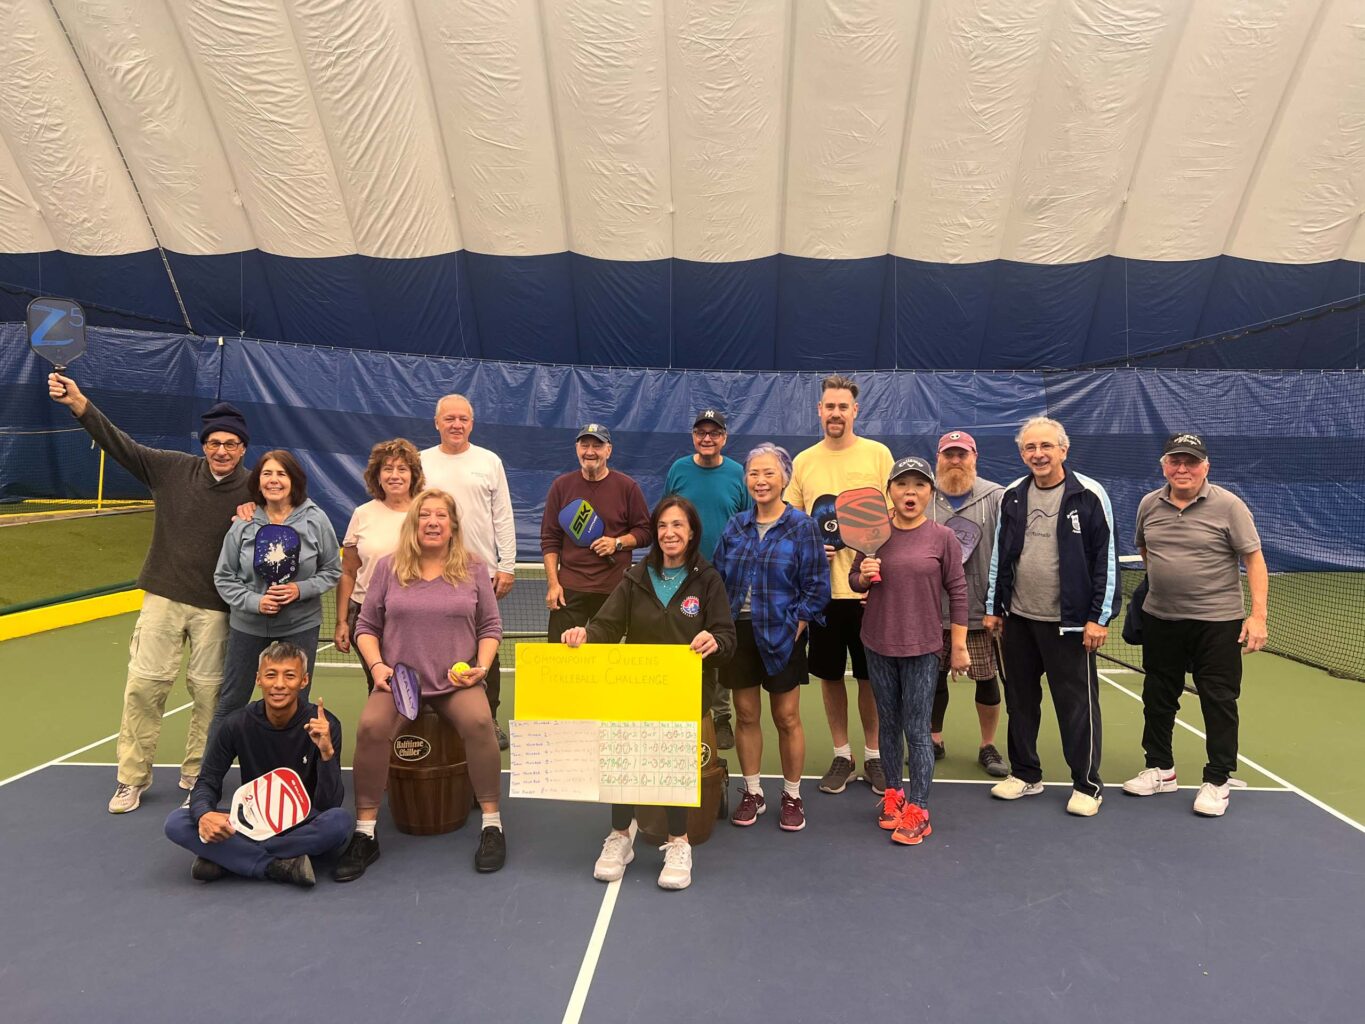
64	390
320	732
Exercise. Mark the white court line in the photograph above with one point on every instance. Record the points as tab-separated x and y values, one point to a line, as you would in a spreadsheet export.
574	1011
1249	762
80	750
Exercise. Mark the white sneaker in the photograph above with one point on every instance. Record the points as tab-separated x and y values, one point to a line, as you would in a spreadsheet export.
1211	801
1083	805
126	798
1151	781
618	850
677	872
1013	789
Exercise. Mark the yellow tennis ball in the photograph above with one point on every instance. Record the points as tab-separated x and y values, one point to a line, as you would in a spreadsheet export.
460	666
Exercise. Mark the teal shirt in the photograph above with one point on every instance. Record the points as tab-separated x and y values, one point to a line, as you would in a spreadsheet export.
718	492
666	587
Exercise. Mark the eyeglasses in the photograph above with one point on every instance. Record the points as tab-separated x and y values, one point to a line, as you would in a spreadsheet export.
227	446
1045	448
708	435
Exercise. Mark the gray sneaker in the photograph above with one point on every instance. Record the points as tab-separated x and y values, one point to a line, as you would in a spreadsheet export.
126	798
989	758
874	776
836	779
502	736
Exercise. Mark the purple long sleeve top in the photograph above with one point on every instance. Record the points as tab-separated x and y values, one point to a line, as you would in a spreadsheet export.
903	617
429	625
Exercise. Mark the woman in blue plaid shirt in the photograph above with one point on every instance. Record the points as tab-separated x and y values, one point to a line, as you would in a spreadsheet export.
777	578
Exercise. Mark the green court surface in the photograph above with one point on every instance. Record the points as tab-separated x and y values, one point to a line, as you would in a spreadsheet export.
62	692
47	559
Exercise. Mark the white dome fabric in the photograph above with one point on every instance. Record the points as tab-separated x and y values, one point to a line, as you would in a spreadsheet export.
743	183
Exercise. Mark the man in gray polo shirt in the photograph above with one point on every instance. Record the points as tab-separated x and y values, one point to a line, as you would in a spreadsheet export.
1191	534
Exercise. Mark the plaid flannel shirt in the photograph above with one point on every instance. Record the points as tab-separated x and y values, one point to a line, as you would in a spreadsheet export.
787	571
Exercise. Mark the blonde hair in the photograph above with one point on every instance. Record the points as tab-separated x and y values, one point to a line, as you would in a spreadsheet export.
407	558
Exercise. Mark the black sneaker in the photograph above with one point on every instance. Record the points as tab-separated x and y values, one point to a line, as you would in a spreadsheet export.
292	871
940	751
725	734
492	852
989	758
206	870
360	853
502	736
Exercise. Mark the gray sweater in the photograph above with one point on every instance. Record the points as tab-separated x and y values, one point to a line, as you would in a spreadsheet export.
983	508
193	513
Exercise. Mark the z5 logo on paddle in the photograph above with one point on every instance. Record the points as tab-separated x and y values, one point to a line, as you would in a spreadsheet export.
1074	518
691	607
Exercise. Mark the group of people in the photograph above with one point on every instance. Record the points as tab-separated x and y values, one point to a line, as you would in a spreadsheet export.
1002	584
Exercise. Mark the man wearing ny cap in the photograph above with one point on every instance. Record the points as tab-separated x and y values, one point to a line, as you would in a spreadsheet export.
475	478
195	497
970	507
715	487
580	578
1191	534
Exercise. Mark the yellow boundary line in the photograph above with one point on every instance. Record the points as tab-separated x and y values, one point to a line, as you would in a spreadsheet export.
71	613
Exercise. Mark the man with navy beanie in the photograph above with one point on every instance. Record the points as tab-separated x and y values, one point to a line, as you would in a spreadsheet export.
195	497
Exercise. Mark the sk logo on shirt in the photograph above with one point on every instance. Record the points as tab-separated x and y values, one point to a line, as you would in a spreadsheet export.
691	606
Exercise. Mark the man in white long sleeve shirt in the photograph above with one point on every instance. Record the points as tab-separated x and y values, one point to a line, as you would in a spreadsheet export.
474	477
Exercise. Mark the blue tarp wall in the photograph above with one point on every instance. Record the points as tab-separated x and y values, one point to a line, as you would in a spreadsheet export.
1291	443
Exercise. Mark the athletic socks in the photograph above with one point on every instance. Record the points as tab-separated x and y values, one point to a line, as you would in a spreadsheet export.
752	785
845	751
871	754
492	819
365	828
792	789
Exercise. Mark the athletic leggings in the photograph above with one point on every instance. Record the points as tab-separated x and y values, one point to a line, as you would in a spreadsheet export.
987	694
380	724
904	689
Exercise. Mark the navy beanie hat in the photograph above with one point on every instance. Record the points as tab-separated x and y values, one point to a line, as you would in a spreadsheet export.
224	416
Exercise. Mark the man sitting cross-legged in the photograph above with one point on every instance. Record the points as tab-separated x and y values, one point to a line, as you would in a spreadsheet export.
274	732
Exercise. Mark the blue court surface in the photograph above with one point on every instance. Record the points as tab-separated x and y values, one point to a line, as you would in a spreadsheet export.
1009	912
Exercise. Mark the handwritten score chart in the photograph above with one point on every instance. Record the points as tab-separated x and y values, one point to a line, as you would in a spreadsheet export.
607	723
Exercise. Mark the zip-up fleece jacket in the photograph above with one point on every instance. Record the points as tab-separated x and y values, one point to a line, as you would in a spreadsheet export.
635	612
1087	557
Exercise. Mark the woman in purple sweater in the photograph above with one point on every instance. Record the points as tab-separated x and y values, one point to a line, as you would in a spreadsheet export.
429	604
903	634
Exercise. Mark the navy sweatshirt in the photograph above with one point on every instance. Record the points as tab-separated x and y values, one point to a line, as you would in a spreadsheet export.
260	748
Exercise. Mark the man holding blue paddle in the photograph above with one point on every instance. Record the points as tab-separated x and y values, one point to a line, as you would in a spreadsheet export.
593	518
195	497
289	807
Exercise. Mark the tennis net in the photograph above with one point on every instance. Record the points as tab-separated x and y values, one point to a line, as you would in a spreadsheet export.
1315	618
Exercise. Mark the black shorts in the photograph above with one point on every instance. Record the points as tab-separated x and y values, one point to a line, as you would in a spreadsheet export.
745	667
838	641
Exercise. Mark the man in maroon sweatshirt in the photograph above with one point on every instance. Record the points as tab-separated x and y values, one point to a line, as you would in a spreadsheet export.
580	578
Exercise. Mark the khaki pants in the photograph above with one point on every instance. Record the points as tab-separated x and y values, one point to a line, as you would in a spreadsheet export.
158	641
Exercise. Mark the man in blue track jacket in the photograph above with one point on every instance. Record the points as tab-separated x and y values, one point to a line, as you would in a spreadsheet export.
1053	589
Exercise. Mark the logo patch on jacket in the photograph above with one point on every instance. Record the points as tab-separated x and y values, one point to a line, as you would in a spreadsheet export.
691	606
1075	518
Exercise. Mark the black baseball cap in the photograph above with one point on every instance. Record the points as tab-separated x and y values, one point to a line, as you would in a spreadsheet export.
1187	444
912	464
710	416
594	430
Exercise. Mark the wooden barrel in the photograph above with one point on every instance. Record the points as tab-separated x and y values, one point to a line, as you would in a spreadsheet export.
715	780
429	791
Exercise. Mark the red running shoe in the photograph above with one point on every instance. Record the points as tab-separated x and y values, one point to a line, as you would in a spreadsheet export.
792	816
913	826
751	805
893	806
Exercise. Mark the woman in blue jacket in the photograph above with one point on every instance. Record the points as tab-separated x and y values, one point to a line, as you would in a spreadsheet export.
259	613
777	579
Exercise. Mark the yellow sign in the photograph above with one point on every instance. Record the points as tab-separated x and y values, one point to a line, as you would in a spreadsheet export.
608	682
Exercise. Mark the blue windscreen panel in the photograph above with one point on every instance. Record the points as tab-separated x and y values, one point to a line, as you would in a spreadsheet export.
776	313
